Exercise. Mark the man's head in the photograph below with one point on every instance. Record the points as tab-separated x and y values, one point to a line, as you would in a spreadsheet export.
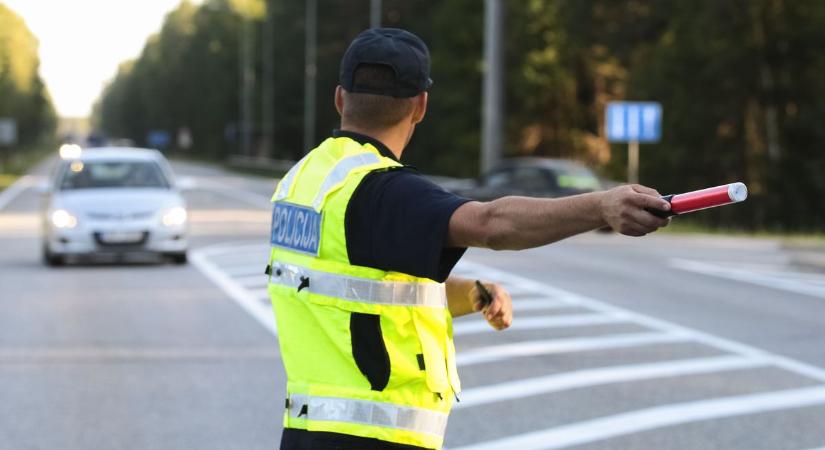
383	81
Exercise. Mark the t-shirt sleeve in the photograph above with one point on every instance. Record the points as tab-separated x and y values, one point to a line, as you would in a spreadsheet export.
398	221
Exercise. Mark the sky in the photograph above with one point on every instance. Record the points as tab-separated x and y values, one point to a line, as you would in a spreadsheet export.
82	42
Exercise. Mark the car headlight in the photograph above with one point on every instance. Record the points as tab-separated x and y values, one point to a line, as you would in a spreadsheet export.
63	219
174	217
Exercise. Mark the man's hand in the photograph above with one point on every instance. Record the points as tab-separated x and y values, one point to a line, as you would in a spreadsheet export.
499	313
623	208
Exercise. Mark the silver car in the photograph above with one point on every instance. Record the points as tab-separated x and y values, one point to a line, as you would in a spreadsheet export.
113	202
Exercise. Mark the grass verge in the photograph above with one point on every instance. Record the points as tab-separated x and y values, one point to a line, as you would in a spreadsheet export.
790	238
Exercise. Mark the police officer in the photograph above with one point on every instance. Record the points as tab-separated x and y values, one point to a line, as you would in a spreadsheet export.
362	249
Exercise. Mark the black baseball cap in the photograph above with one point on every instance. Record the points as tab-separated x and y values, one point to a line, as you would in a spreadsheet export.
398	49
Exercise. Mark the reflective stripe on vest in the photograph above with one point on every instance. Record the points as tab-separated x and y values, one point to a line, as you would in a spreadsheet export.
289	178
359	289
340	172
365	412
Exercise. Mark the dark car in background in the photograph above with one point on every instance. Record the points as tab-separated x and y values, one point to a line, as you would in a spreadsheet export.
533	177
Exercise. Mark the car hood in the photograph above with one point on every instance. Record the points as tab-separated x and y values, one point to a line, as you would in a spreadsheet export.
117	200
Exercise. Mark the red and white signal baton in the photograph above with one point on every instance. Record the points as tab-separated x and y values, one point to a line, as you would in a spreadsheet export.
703	199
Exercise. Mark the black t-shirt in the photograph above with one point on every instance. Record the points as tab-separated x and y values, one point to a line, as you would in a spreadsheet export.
397	220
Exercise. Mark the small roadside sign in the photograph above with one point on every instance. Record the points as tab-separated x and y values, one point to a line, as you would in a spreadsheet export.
634	121
158	139
8	131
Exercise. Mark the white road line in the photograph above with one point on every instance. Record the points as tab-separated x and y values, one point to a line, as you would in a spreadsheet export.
259	293
657	417
789	364
15	189
540	322
601	376
818	448
244	270
518	291
536	304
747	276
556	346
241	296
252	281
244	247
250	198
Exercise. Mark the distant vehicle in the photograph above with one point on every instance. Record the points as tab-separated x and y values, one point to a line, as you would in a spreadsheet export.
533	177
112	202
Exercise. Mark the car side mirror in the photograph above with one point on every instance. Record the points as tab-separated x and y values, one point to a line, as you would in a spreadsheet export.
185	183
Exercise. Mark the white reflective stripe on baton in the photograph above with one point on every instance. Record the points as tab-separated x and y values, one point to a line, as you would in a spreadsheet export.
289	178
398	293
340	172
365	412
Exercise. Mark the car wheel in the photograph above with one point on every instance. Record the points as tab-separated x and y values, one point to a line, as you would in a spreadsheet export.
178	258
52	259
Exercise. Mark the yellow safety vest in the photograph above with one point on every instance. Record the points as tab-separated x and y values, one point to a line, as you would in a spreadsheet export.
331	314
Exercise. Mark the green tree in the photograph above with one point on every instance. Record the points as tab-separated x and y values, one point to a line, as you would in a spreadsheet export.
23	96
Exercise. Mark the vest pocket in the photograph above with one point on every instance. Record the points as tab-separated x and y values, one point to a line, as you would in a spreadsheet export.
368	349
432	333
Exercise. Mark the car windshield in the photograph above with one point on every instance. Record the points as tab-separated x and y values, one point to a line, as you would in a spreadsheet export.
112	174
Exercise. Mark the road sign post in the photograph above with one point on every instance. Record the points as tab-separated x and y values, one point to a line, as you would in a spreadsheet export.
8	138
633	162
634	123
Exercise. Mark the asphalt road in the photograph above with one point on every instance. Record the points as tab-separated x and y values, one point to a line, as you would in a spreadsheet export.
663	342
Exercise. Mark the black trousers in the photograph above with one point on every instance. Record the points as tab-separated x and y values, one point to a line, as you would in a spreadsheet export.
293	439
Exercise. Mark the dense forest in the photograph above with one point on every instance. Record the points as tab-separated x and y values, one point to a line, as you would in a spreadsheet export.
740	81
23	97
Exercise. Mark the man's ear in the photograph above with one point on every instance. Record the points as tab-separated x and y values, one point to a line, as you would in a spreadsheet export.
420	109
339	100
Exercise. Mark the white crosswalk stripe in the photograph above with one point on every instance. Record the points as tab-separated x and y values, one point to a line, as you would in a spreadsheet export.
806	284
603	375
657	417
540	323
555	346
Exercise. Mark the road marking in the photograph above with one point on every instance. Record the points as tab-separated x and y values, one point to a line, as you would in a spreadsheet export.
556	346
250	198
601	376
235	216
253	281
540	322
597	429
517	291
537	304
775	281
242	247
244	270
241	296
789	364
16	188
657	417
260	293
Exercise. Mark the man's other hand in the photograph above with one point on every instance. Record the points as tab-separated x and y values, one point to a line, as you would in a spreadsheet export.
623	208
499	313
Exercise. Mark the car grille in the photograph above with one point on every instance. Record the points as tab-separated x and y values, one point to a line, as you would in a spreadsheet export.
110	216
122	246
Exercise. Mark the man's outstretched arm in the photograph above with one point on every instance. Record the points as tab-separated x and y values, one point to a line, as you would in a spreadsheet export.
516	223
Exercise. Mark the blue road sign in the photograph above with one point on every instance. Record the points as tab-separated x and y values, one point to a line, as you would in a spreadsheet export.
158	139
634	121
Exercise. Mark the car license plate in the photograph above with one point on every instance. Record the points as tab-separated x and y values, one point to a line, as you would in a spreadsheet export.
121	237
